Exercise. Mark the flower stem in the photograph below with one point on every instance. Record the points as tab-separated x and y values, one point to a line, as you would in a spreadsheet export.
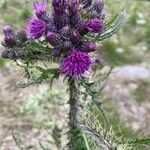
75	136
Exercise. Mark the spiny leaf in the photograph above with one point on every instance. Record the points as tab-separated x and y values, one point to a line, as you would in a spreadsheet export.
139	141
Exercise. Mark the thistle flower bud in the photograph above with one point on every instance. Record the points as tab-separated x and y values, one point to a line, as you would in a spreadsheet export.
36	28
8	54
53	38
82	28
89	46
9	41
40	9
86	4
102	15
64	32
21	54
51	26
74	20
76	38
56	52
10	37
95	25
98	5
61	20
22	36
73	7
59	6
8	31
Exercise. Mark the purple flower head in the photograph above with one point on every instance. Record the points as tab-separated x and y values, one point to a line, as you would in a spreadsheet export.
59	6
95	25
76	64
10	37
73	7
98	6
8	31
53	38
36	28
40	8
89	46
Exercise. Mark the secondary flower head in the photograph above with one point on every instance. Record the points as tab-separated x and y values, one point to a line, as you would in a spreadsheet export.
95	25
40	8
36	28
76	64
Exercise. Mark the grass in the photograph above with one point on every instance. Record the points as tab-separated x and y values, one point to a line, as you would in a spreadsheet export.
2	63
43	106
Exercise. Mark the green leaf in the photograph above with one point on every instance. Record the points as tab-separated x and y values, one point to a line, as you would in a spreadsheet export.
140	141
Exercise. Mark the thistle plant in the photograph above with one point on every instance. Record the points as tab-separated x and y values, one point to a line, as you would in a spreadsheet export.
66	42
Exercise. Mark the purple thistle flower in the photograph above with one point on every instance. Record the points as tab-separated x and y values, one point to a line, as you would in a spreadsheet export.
8	31
53	38
59	6
36	28
76	64
95	25
89	46
40	8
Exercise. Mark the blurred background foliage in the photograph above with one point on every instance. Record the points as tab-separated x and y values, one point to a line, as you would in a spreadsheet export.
131	45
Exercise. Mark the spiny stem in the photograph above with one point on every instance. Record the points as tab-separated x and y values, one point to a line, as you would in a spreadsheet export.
75	136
